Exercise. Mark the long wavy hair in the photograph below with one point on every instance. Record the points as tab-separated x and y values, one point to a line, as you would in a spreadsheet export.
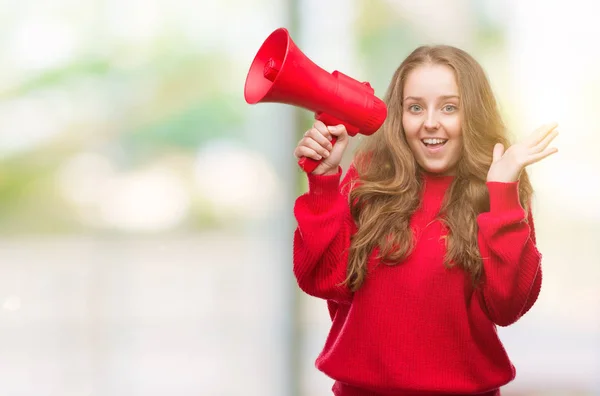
390	180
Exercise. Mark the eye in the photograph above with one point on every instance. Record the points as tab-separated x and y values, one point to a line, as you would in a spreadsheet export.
415	108
449	108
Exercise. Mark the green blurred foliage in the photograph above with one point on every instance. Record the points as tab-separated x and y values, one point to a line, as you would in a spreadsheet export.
171	100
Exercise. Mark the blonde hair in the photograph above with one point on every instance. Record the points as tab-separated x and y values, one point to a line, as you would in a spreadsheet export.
390	180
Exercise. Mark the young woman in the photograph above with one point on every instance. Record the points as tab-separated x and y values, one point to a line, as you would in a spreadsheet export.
428	242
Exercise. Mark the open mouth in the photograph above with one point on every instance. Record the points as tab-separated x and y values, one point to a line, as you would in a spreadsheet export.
434	142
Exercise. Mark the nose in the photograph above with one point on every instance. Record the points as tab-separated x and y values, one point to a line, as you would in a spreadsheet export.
431	122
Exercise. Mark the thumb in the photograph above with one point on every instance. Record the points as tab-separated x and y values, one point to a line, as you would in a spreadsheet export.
498	152
342	140
339	131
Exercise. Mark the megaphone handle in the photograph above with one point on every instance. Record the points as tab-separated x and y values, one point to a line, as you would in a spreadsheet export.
308	164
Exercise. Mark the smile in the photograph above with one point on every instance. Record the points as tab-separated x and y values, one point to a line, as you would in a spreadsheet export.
434	144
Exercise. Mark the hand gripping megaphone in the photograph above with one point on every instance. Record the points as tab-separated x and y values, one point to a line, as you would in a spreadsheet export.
281	73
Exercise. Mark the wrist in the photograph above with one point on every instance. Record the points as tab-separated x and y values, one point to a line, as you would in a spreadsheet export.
331	172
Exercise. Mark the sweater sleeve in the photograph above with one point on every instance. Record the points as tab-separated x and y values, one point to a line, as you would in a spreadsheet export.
322	236
511	261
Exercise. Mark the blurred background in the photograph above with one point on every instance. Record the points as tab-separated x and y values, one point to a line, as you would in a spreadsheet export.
146	210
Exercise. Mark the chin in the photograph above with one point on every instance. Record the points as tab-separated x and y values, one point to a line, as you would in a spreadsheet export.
442	170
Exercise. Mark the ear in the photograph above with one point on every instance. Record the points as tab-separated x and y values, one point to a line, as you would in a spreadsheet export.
498	152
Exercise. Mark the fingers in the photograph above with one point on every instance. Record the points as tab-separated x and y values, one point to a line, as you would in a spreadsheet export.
543	144
540	133
316	143
540	156
304	151
541	149
322	130
308	147
339	131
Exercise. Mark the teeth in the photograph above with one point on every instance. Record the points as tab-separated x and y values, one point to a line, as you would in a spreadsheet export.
434	141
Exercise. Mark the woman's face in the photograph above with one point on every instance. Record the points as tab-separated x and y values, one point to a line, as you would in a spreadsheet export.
431	118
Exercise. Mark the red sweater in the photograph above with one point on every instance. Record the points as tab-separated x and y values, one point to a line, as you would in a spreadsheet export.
417	328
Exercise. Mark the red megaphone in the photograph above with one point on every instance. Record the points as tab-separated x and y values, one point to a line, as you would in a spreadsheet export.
281	73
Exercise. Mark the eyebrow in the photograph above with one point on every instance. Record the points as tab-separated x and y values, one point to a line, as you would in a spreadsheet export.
444	97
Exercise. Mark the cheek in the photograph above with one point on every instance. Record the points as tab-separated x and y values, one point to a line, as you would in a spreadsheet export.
455	128
457	135
457	148
411	127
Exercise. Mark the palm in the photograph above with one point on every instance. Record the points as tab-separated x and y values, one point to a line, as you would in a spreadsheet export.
507	165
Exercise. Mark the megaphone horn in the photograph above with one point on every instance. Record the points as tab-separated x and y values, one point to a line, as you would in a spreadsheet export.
281	73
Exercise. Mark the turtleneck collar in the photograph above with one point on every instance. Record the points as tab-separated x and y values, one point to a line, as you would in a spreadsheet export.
442	182
434	190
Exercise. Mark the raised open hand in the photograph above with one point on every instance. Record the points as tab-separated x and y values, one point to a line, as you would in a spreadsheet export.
507	165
